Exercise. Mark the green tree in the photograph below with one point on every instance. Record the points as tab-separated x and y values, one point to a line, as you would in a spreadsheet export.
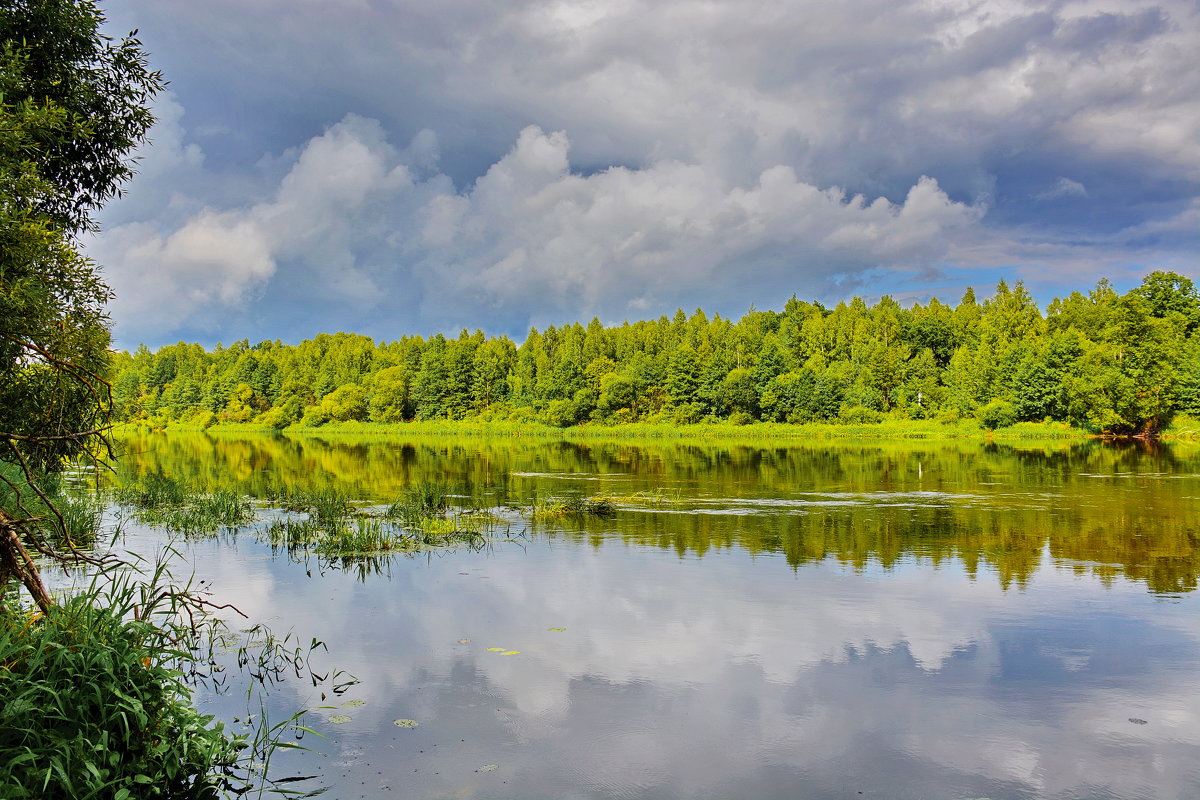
73	106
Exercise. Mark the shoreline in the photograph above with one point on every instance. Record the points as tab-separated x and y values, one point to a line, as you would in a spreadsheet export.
761	432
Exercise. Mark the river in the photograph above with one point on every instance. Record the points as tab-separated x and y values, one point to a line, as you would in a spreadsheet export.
833	619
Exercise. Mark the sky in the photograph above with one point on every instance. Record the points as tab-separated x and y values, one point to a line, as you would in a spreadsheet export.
394	167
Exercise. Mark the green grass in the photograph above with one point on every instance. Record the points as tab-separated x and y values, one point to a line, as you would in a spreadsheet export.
162	501
92	703
325	506
425	500
1183	428
754	432
572	506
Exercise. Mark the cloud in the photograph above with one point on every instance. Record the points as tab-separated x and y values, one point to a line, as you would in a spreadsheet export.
759	150
1063	187
351	224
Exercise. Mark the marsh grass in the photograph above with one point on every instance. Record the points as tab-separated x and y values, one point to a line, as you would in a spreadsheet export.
425	500
325	506
71	522
363	535
162	501
572	506
648	499
421	519
95	699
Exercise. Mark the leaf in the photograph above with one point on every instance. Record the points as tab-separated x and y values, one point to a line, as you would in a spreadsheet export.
339	719
495	649
406	723
488	768
556	629
464	641
512	652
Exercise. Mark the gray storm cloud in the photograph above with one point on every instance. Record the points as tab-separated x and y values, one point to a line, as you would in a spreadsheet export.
351	216
568	158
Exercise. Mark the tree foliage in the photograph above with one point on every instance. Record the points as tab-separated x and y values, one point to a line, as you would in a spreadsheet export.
1115	363
73	106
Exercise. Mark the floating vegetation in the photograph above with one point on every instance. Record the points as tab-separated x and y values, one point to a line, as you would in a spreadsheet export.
406	723
425	500
556	629
162	501
511	653
355	703
496	649
572	506
488	768
359	534
340	719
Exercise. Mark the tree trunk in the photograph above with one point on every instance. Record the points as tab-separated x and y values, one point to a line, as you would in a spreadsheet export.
15	560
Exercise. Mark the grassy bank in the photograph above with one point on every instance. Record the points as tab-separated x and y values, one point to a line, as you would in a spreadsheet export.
754	432
93	702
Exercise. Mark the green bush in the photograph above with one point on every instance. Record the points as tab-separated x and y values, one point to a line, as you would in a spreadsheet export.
91	706
859	415
997	414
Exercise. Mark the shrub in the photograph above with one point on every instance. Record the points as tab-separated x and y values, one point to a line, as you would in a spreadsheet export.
90	706
997	414
859	415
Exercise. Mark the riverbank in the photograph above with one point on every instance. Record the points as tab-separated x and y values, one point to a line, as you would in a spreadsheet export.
759	431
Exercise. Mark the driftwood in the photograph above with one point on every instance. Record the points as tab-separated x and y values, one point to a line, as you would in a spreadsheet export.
15	561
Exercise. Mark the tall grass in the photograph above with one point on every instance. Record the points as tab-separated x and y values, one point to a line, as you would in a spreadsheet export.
325	506
69	521
93	701
572	506
425	500
162	501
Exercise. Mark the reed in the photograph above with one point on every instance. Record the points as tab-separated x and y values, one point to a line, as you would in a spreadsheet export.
572	506
425	500
161	501
95	701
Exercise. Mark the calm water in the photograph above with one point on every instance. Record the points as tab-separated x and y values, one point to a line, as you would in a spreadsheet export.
829	620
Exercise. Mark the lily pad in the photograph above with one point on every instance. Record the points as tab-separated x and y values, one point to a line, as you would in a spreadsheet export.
339	719
556	629
512	652
488	768
495	649
355	703
406	723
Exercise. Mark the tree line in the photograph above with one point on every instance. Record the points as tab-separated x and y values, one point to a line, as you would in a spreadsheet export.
1104	361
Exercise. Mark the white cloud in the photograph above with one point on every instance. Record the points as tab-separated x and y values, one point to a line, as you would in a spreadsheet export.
350	221
1063	187
666	152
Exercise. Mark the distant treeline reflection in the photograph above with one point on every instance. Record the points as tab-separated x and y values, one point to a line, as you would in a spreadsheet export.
1099	509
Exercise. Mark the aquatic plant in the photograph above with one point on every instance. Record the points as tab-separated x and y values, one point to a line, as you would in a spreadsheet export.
164	502
366	535
572	506
424	500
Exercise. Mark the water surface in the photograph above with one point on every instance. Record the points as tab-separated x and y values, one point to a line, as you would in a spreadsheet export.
817	620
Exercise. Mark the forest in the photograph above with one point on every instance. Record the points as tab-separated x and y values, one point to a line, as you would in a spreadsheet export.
1106	362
